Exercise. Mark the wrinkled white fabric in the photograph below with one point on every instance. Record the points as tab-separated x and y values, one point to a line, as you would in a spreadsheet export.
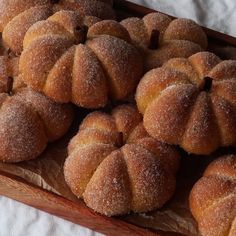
219	15
17	219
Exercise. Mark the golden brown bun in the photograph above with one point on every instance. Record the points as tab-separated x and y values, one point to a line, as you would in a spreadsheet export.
99	8
65	63
160	38
11	8
116	167
213	198
109	27
28	121
181	106
17	16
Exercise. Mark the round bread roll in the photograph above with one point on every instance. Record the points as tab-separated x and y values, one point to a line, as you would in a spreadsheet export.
161	38
191	102
28	121
213	198
16	17
68	64
99	8
116	167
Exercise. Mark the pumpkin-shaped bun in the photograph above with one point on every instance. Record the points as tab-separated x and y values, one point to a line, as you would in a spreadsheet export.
68	64
191	102
213	198
28	121
17	16
116	167
161	38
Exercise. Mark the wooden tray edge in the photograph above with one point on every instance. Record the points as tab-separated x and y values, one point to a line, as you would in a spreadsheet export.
17	189
141	11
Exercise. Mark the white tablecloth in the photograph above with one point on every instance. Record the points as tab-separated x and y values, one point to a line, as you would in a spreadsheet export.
219	15
17	219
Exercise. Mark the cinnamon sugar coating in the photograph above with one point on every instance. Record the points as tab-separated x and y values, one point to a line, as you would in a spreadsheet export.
99	8
213	198
17	16
116	167
170	38
68	64
191	102
28	121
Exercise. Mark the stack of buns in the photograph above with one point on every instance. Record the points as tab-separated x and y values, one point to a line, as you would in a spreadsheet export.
17	16
56	53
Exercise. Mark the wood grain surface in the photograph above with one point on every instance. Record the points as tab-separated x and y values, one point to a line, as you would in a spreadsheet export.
78	213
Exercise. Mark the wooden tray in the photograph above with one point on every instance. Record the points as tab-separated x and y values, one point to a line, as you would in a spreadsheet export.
20	190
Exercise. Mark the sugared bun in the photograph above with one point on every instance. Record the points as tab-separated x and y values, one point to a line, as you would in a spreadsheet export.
68	64
160	38
191	102
213	198
99	8
28	121
116	167
17	16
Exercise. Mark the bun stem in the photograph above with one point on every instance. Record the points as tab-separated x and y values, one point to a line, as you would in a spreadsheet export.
154	39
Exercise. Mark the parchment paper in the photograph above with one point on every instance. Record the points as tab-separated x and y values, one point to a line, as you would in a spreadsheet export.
47	173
